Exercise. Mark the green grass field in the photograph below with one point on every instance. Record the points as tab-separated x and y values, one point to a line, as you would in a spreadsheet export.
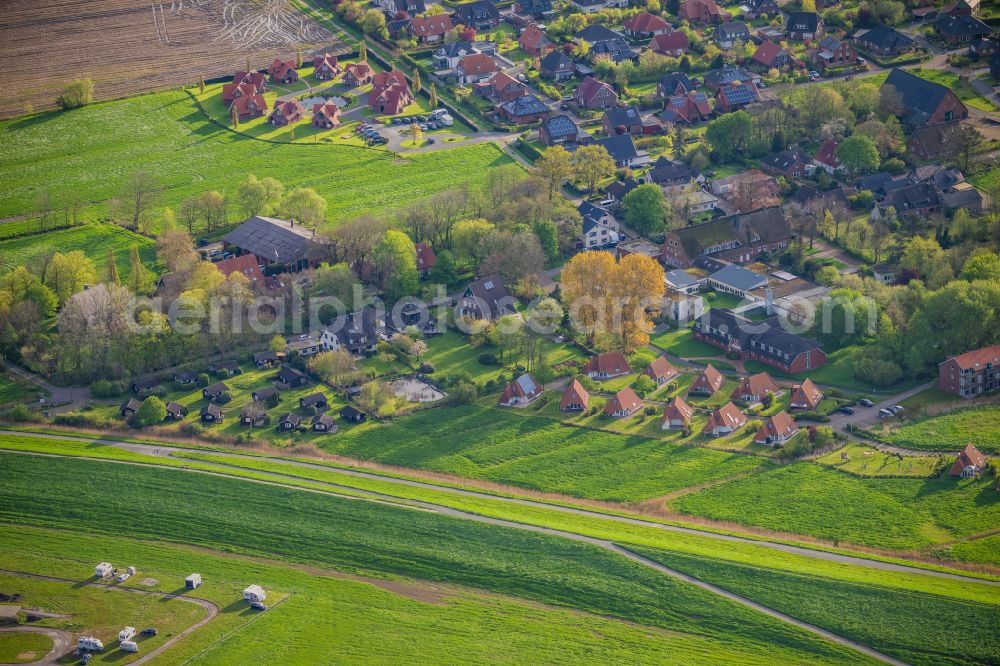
91	151
806	498
369	538
949	432
538	453
680	342
94	239
915	627
102	612
964	90
22	648
12	390
985	550
869	462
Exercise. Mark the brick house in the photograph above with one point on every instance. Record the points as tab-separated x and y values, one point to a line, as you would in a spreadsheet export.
883	40
676	415
480	14
725	420
358	74
736	96
776	430
738	238
521	391
687	109
708	382
835	52
556	66
924	102
249	107
475	68
607	366
791	163
425	258
645	24
805	396
594	94
524	110
751	390
430	29
765	341
325	115
283	71
702	12
624	403
231	91
804	26
575	398
501	87
672	43
660	371
326	67
968	463
769	54
390	93
286	113
534	42
972	373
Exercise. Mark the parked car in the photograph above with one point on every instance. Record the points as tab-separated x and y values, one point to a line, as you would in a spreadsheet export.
813	74
865	402
846	410
150	631
884	413
896	409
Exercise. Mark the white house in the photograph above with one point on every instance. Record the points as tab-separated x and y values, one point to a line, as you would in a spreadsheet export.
600	228
254	593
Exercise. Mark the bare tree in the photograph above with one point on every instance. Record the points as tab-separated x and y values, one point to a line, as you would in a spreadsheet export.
139	195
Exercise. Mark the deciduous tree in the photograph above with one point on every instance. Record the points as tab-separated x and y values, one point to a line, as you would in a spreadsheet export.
592	164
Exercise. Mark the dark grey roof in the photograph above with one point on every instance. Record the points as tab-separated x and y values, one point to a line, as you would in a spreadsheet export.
555	60
605	40
212	409
966	198
619	117
265	393
877	182
802	22
291	418
914	198
271	239
965	27
219	387
356	330
669	172
455	49
474	12
732	30
491	291
739	278
679	279
146	384
264	356
526	105
886	37
404	6
535	7
727	74
671	81
560	126
618	189
764	336
595	32
314	399
174	407
288	374
920	98
786	159
131	404
621	147
324	419
806	195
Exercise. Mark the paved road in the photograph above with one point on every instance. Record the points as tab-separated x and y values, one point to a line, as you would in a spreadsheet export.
211	611
62	642
573	536
165	450
68	396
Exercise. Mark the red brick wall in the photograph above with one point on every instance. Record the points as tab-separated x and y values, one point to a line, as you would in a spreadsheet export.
948	374
949	103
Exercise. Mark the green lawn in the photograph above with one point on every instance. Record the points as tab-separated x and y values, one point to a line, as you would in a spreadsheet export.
949	432
94	239
807	498
91	151
869	462
519	448
964	90
985	550
915	627
837	371
375	539
330	618
12	390
680	342
22	648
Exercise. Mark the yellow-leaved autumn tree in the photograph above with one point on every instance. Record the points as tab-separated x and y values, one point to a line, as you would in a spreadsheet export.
613	302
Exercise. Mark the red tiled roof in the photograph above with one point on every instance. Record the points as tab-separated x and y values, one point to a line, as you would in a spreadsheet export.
670	41
245	264
978	358
524	387
477	63
970	456
727	416
331	61
575	394
710	379
767	52
280	67
692	9
292	110
677	410
359	70
806	393
532	38
660	368
256	78
229	90
425	257
780	426
611	363
390	89
430	26
827	154
242	104
755	385
625	400
589	88
644	22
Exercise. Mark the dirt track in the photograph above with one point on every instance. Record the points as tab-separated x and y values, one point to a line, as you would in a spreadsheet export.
132	46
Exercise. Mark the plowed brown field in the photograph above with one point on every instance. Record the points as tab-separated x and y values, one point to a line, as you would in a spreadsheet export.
132	46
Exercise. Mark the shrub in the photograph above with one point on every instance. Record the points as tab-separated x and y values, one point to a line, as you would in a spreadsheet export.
76	94
203	379
643	385
649	410
191	429
150	412
464	393
107	389
23	414
426	368
488	358
78	419
224	398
